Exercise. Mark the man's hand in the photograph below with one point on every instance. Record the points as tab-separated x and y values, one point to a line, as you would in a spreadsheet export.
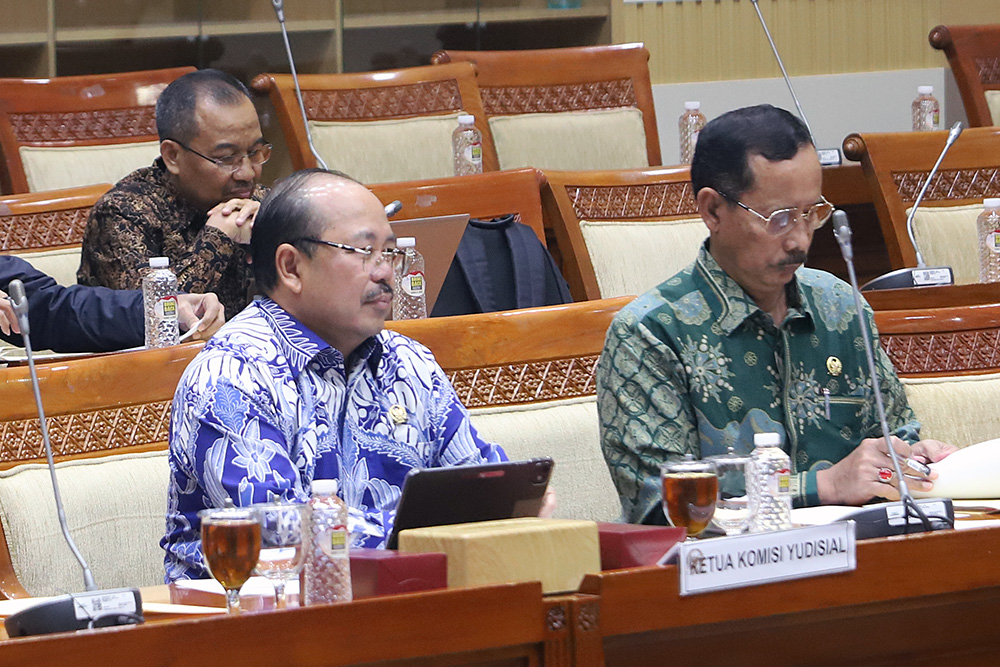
856	479
548	503
203	307
234	218
8	320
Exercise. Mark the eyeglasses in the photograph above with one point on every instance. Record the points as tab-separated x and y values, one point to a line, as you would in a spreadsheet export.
394	256
257	157
782	220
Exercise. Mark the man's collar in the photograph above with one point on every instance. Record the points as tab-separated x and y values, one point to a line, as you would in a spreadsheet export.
734	302
300	345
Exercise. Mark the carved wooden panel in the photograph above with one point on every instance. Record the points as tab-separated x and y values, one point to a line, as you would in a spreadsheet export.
989	71
949	185
508	100
513	384
415	99
42	230
625	202
953	352
69	126
84	432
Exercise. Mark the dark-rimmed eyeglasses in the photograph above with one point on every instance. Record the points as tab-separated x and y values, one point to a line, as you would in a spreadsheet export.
782	220
394	256
232	163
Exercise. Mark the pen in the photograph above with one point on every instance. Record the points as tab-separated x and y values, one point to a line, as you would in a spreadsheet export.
918	466
190	332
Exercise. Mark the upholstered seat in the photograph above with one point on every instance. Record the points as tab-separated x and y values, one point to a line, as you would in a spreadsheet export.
573	108
78	130
622	232
379	127
974	56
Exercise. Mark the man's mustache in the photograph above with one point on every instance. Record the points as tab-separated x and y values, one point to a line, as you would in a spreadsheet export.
794	258
380	288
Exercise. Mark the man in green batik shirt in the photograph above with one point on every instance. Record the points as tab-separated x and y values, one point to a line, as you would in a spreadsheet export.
747	340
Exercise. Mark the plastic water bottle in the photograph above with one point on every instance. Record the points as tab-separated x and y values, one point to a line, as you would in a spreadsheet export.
409	301
159	299
691	124
326	571
926	110
989	241
467	146
772	471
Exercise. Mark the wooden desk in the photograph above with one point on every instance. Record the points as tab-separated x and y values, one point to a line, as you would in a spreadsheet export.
496	625
923	598
975	294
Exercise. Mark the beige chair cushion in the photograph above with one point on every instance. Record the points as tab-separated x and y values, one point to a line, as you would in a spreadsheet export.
115	507
948	237
960	410
72	166
993	102
61	264
572	140
385	151
566	431
633	257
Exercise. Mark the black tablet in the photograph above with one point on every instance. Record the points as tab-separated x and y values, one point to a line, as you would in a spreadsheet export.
462	494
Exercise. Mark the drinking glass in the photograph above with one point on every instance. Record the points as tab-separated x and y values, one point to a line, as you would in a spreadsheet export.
736	506
690	491
230	540
281	552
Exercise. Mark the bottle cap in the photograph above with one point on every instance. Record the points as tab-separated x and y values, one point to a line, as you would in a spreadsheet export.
325	487
466	119
692	106
406	242
925	90
767	439
159	262
991	202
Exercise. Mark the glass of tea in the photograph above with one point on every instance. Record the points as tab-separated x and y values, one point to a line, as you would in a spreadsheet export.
281	553
230	540
690	492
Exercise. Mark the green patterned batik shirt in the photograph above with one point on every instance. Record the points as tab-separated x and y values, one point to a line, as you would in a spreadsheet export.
694	366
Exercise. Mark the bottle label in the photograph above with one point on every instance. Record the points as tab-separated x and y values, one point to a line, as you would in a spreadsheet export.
333	541
166	308
413	283
993	241
474	153
780	482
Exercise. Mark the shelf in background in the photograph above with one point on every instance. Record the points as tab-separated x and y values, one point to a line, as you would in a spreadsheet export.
188	30
404	19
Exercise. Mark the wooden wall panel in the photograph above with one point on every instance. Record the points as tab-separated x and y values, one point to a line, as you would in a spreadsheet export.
717	40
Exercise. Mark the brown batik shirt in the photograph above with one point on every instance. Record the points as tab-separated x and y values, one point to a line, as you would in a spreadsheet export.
144	216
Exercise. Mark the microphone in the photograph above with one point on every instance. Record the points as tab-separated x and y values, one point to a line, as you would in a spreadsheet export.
392	208
921	276
882	518
95	608
279	10
827	156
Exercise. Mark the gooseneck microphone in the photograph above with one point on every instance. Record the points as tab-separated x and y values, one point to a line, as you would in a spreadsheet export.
921	276
68	612
842	231
279	10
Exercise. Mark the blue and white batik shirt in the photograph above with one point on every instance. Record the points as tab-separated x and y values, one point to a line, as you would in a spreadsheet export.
268	406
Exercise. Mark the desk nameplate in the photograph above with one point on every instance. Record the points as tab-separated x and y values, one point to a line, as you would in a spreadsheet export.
760	558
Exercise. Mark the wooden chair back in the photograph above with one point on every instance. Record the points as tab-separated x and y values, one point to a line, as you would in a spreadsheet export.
974	56
487	195
407	93
95	407
76	111
626	197
897	164
568	79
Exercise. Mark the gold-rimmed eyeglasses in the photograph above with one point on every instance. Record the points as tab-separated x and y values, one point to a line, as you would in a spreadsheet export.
232	163
782	220
394	256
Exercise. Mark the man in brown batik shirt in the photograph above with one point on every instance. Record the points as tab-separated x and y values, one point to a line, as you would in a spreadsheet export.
195	204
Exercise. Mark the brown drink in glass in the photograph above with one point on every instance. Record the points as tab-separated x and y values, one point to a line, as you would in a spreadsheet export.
690	492
230	540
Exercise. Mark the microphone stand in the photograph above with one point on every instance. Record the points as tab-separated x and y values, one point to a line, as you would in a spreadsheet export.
842	230
279	10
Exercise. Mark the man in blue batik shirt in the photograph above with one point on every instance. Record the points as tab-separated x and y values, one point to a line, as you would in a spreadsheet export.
306	383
